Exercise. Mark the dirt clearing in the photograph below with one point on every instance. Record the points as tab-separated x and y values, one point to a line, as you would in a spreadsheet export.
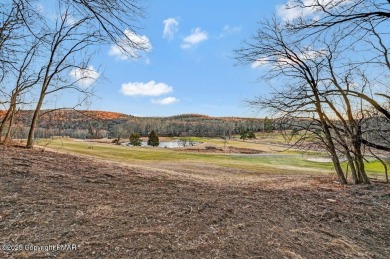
109	210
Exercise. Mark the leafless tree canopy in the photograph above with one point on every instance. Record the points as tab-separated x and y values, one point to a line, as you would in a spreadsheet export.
112	18
43	56
329	67
331	13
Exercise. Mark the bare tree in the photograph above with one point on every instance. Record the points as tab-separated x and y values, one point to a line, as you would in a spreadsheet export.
18	55
301	96
115	21
351	15
350	113
11	25
67	39
25	78
68	42
353	90
363	25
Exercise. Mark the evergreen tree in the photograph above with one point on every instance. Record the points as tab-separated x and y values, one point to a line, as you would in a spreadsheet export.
244	135
268	124
153	139
135	139
251	135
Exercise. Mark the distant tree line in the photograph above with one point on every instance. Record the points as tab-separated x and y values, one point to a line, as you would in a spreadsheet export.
83	124
192	126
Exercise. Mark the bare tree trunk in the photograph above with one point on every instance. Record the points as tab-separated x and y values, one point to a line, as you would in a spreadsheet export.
328	136
359	160
8	136
8	115
352	166
4	122
334	156
34	121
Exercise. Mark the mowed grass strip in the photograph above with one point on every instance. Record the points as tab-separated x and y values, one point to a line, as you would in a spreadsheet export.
286	163
263	163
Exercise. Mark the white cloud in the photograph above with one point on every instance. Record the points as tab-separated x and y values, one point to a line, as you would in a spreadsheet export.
185	46
287	12
170	28
310	54
150	88
307	54
229	30
165	101
196	37
132	44
294	9
85	77
258	63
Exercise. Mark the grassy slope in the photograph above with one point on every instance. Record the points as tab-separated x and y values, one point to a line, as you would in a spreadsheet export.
374	168
276	162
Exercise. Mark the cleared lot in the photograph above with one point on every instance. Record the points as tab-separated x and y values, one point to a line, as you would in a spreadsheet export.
118	210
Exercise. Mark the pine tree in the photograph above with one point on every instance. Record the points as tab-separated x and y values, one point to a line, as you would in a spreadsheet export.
135	139
268	125
153	139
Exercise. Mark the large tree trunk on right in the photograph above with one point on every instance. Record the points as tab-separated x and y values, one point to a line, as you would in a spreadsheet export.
330	146
338	169
333	154
352	166
359	158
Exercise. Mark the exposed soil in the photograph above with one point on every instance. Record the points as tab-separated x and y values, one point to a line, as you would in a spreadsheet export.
112	210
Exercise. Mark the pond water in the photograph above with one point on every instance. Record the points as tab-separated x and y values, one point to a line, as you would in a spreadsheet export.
169	144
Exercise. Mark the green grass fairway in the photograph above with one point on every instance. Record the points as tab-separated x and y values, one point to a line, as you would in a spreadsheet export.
273	162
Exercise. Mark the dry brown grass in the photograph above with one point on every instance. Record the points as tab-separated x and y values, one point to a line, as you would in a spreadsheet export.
116	210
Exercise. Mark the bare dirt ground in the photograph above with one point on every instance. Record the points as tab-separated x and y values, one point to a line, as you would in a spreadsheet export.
112	210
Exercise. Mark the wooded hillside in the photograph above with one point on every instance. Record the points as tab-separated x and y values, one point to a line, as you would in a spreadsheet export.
99	124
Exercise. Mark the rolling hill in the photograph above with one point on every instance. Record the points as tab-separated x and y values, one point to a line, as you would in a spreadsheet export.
98	124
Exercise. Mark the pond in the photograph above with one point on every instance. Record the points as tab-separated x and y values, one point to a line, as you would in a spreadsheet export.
169	144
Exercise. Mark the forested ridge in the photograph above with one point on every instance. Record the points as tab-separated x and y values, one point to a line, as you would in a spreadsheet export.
99	124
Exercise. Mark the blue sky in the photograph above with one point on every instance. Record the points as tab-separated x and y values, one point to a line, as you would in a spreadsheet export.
188	69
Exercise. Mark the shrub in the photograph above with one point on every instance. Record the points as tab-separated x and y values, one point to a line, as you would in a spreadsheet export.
244	135
135	139
251	135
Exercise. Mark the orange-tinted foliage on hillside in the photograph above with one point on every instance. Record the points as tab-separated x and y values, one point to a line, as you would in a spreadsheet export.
106	115
70	115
